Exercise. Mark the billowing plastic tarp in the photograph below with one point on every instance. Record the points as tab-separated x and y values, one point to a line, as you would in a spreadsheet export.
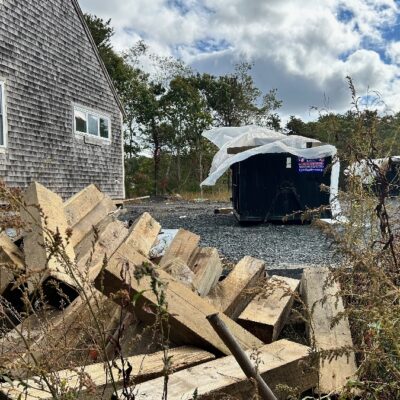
365	170
267	142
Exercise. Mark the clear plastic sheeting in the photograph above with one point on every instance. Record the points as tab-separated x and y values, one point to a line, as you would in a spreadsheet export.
225	135
162	242
238	137
267	142
365	170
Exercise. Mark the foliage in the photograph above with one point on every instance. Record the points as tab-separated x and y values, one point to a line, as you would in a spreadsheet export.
370	271
234	99
167	110
119	70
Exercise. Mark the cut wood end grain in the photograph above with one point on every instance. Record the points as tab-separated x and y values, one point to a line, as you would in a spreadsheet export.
231	296
43	213
182	246
266	314
146	230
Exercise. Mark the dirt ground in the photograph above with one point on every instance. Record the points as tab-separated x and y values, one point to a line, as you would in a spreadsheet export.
286	249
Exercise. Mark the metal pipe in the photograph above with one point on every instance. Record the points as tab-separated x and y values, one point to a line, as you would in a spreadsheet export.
241	357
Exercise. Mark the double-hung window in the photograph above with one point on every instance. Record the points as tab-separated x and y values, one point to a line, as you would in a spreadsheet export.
3	122
90	122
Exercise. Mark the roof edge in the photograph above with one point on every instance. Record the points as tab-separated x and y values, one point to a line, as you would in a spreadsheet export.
79	11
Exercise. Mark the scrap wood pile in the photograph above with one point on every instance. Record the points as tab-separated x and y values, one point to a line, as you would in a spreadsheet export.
85	311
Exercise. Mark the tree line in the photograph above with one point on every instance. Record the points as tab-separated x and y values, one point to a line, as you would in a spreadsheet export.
167	110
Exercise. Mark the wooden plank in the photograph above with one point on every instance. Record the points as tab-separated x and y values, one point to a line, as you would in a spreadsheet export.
144	367
111	233
11	261
91	250
280	363
6	277
180	271
85	210
266	314
229	296
223	210
335	373
182	246
18	347
71	324
237	150
144	231
135	200
44	215
53	338
207	268
82	203
187	311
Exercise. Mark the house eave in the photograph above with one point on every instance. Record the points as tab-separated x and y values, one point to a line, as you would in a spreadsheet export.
103	67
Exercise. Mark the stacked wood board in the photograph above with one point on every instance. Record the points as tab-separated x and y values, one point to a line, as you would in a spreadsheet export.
90	314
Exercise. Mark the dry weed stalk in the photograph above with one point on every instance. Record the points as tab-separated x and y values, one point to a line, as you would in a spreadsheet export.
369	274
94	332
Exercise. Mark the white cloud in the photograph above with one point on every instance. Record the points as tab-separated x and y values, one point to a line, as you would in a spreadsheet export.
393	51
305	48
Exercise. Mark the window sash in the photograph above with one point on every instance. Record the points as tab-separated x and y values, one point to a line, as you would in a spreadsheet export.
91	123
80	121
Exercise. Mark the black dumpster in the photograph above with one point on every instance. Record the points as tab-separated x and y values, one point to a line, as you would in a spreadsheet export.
279	186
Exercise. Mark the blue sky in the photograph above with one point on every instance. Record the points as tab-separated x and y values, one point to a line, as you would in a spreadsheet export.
304	48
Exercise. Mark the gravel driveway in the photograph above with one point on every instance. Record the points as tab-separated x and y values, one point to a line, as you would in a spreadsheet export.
286	249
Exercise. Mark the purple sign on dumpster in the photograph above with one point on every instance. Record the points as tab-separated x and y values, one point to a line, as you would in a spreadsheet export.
311	165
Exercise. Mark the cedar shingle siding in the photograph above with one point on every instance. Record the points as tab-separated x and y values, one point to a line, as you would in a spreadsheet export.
48	64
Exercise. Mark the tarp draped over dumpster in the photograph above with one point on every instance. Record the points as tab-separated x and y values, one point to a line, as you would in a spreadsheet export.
267	141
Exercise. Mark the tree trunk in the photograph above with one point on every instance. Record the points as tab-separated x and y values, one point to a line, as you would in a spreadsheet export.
156	157
167	172
178	168
200	168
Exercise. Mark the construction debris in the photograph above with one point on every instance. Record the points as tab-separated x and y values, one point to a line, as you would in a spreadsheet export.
207	268
186	310
280	363
43	214
223	210
112	309
11	261
182	246
250	370
85	210
231	296
324	304
267	313
145	367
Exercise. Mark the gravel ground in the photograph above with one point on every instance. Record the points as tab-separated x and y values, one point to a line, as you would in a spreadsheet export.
287	249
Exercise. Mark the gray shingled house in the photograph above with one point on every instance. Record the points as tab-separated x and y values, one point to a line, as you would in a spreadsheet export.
60	116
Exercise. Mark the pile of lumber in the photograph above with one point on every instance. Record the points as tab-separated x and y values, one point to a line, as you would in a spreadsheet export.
85	311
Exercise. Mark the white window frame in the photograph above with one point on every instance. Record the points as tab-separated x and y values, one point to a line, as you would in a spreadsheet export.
3	113
98	115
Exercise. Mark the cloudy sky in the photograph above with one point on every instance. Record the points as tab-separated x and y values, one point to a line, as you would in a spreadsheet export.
304	48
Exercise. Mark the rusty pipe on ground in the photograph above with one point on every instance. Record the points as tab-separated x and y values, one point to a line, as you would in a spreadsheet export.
241	357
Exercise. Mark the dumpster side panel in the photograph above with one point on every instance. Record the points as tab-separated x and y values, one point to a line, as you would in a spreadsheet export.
268	187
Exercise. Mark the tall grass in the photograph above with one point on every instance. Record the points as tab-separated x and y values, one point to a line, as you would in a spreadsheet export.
370	271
